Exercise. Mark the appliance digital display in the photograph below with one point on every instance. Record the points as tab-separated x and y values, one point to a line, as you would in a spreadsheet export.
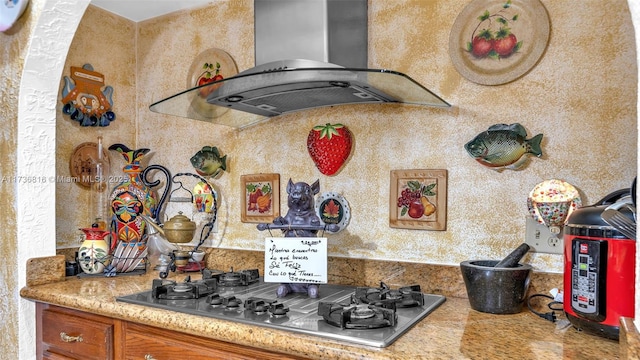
588	278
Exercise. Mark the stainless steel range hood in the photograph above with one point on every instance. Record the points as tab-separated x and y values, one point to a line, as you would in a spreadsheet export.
324	44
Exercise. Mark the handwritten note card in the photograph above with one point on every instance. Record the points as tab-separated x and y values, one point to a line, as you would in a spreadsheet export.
295	260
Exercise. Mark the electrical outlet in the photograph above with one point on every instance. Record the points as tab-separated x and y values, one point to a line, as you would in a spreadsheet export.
541	240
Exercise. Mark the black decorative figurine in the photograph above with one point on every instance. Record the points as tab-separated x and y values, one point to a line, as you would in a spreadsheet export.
301	220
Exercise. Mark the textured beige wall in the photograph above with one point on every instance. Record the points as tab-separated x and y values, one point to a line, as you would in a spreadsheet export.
581	96
11	59
107	42
13	47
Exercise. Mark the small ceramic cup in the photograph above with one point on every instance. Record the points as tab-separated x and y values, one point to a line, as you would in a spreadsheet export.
196	256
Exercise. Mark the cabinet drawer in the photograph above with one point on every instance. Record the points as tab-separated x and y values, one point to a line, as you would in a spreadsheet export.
139	346
76	336
53	356
148	343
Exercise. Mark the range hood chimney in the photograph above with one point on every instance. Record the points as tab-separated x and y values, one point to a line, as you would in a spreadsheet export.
330	31
309	54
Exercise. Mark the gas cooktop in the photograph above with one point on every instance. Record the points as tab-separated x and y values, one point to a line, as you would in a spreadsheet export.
362	315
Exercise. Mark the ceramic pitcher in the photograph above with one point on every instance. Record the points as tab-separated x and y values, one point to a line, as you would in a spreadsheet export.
94	251
130	199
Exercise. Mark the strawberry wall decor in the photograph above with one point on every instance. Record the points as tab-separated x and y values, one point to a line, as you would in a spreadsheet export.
329	147
84	99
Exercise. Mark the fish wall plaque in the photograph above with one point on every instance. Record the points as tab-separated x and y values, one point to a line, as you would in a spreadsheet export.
208	162
84	100
504	146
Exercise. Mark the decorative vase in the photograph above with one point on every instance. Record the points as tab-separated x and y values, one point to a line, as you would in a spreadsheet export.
130	199
94	251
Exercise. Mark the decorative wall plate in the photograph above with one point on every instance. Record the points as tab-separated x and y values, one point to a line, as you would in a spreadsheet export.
203	196
82	160
333	208
477	53
209	66
10	12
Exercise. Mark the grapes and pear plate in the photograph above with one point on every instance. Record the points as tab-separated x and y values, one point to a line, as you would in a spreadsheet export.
418	199
333	208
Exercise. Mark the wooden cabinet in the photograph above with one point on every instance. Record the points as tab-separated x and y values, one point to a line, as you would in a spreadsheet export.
70	334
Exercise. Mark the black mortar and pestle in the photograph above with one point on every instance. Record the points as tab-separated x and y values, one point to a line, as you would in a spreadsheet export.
497	286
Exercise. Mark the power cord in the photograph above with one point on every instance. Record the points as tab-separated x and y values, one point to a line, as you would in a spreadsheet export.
551	316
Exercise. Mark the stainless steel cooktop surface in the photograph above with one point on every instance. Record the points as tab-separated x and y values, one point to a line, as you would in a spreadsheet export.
248	304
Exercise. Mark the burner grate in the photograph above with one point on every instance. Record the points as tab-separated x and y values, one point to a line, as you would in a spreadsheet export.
240	278
357	316
172	290
407	296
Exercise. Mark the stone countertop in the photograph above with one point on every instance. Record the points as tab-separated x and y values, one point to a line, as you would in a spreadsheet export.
452	331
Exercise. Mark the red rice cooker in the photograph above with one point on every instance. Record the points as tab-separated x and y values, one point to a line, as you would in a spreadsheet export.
599	270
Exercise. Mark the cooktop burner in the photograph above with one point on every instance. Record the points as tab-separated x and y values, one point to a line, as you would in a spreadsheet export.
211	280
407	296
240	278
367	316
358	316
171	290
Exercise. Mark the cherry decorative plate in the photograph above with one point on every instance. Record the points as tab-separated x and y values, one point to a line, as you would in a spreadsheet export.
494	42
209	66
333	208
550	191
10	12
